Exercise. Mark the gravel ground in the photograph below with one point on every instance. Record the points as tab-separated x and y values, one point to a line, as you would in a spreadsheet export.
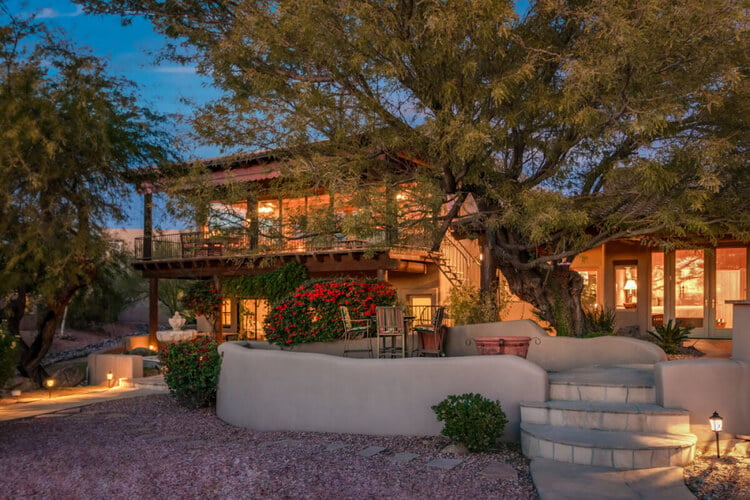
150	447
711	478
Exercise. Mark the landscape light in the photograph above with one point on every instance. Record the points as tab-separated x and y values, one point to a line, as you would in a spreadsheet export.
717	423
50	383
110	376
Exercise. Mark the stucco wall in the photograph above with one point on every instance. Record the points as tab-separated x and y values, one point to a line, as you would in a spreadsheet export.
556	353
266	389
703	386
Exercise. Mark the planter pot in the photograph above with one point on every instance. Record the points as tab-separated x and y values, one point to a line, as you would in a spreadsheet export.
517	346
428	341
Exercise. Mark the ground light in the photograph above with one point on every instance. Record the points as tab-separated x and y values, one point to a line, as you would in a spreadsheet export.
716	425
16	393
50	383
110	377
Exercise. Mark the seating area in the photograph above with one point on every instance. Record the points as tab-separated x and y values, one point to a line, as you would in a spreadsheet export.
391	333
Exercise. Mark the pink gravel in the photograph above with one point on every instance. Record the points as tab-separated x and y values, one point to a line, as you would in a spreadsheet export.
149	446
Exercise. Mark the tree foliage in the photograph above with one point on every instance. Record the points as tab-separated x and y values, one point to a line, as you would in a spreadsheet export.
69	135
569	125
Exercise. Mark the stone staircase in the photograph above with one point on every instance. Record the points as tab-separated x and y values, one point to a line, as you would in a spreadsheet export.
606	417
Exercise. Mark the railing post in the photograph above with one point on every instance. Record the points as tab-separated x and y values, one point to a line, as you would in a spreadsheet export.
148	206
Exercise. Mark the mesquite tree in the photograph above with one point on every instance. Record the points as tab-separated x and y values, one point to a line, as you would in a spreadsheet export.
69	134
567	125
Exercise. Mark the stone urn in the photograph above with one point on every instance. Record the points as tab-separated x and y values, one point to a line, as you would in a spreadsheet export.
176	322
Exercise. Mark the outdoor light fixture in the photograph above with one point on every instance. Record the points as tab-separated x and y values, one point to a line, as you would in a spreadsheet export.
110	377
16	393
50	383
716	425
151	347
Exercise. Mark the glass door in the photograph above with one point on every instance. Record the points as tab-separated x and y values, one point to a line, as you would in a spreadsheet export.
690	290
729	282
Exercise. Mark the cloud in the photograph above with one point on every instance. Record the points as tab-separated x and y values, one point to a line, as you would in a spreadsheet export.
176	69
48	13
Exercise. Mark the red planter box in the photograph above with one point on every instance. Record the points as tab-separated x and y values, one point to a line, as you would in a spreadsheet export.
517	346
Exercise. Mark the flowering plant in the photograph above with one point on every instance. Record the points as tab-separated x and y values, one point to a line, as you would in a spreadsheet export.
191	371
202	299
8	346
311	313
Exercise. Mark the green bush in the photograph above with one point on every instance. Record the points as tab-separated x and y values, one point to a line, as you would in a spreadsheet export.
600	321
467	305
471	419
8	344
670	336
191	371
311	313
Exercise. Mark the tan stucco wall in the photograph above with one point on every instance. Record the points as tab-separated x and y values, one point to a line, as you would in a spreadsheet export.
121	365
266	389
556	353
703	386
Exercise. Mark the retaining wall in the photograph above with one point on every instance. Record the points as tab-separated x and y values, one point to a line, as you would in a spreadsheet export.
268	389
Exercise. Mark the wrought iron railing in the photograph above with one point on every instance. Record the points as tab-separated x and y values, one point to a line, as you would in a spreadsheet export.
193	244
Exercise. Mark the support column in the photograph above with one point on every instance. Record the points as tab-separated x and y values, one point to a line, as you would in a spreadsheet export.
153	310
148	230
740	329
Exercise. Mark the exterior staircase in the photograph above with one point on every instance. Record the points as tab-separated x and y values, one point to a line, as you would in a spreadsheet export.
606	417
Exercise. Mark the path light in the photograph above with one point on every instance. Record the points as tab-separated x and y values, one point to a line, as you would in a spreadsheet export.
152	347
50	383
716	425
110	376
16	393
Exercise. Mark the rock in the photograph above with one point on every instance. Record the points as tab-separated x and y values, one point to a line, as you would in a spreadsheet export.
141	351
456	449
70	376
21	383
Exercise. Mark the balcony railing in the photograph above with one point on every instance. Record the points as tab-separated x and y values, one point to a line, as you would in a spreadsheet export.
186	245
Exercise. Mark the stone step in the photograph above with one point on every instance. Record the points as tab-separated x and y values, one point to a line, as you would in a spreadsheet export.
155	383
613	384
640	417
617	449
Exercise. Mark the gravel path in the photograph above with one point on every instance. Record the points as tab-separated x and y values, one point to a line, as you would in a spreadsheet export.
150	447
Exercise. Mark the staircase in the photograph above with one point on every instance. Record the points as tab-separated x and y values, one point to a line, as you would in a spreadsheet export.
606	417
454	261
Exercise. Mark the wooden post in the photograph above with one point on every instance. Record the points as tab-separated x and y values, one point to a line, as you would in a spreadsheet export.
153	311
148	230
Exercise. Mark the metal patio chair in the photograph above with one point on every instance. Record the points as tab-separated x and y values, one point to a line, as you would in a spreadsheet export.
355	329
431	336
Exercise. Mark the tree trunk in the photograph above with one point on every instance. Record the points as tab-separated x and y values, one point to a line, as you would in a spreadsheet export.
15	310
31	356
555	292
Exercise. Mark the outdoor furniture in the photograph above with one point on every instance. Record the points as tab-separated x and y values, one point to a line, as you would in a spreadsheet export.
352	332
431	336
390	328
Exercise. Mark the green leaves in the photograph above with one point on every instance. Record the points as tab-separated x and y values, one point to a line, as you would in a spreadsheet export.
471	419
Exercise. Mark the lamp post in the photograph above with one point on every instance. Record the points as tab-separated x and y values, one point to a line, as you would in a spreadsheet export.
50	383
110	376
716	425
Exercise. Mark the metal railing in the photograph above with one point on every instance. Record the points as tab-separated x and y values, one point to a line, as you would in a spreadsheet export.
285	240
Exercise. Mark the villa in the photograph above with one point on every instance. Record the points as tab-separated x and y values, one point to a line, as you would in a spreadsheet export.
645	286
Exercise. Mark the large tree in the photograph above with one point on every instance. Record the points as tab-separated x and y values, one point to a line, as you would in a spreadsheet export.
569	124
69	134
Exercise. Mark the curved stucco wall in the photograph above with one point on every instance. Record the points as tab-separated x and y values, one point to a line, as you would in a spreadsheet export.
556	353
264	389
703	386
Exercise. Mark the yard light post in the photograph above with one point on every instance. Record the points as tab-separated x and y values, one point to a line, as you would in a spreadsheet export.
50	383
110	376
716	425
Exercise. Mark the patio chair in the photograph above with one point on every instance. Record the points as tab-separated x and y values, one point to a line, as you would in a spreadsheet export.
352	332
431	336
390	329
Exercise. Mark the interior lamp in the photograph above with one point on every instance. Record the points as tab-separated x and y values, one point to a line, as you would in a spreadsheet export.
717	423
630	285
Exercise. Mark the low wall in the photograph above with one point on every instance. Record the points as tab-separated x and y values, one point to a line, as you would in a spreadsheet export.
121	365
268	389
703	386
556	353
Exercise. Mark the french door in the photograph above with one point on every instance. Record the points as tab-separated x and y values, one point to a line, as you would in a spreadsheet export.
692	286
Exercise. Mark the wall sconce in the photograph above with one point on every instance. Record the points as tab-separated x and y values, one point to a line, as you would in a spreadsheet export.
110	377
152	347
50	383
717	423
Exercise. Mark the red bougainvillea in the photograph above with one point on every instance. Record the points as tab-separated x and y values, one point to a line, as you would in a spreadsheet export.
311	313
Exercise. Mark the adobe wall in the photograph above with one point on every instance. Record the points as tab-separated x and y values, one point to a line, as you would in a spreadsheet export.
556	353
268	389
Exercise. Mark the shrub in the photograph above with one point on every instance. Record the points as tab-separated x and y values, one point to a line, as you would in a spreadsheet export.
670	336
468	306
203	299
8	345
600	321
191	371
471	419
311	312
